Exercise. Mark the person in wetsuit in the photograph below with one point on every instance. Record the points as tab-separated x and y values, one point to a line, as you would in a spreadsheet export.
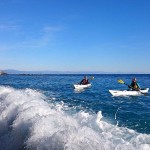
84	81
134	85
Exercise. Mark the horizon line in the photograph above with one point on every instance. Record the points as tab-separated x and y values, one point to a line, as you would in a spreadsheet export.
13	71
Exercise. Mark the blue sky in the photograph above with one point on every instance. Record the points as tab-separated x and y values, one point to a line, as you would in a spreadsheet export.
75	35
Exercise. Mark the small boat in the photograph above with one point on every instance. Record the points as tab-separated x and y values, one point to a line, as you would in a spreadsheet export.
81	86
129	92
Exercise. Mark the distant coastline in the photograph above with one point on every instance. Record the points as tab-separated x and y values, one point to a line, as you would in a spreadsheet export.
23	73
3	73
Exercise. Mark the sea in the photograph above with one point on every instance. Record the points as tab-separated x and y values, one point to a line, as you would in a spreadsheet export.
45	112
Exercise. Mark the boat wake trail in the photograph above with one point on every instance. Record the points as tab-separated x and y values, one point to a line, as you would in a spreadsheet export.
28	120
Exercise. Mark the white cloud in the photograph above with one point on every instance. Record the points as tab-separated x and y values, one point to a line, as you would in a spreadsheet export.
46	37
52	28
6	27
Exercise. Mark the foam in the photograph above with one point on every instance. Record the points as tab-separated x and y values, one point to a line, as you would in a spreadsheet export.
29	120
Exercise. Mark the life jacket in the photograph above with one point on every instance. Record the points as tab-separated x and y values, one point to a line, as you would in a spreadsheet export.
134	85
84	81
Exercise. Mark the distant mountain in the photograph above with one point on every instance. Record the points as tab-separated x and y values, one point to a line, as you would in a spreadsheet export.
11	71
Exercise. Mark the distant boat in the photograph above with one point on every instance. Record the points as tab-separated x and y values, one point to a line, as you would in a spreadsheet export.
3	73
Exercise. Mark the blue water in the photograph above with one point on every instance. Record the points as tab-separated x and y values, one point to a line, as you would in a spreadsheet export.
130	113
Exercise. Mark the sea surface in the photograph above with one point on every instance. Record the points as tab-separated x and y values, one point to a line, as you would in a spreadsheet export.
44	112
